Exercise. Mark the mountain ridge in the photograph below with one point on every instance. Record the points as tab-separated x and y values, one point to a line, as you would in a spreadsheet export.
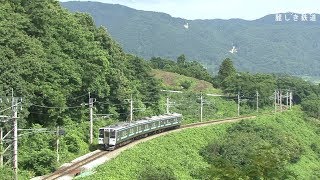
264	45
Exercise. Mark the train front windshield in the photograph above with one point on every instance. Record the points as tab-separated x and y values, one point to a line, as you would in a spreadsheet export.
101	133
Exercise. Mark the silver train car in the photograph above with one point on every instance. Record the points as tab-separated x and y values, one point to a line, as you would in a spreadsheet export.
120	134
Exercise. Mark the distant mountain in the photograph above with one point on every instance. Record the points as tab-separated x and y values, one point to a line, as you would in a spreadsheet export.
263	45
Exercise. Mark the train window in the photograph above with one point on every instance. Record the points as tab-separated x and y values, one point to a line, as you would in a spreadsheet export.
131	130
101	131
113	134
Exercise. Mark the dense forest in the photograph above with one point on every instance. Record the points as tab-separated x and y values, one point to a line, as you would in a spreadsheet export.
263	45
52	59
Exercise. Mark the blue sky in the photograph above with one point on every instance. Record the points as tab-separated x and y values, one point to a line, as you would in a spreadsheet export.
222	9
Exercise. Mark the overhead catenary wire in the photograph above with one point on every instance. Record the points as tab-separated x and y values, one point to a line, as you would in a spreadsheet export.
56	107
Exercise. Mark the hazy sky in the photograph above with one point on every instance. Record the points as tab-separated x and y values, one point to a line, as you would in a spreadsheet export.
223	9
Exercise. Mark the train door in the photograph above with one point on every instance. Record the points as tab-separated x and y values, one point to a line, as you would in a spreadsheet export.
101	136
106	137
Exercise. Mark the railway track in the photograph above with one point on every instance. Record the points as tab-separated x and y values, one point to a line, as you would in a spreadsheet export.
218	121
75	168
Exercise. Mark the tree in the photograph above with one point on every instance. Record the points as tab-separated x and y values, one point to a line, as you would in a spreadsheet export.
226	69
181	60
250	151
153	173
311	105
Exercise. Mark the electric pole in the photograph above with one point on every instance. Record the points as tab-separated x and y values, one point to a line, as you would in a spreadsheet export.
290	99
238	103
275	101
280	100
168	101
131	109
1	148
287	96
15	134
201	107
91	101
257	101
57	143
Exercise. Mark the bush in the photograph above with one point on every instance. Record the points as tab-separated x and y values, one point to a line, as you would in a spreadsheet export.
250	151
186	84
154	173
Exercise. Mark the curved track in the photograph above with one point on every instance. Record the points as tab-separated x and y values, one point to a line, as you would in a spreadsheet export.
75	168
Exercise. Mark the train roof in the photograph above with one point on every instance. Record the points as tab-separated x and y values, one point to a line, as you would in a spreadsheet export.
123	125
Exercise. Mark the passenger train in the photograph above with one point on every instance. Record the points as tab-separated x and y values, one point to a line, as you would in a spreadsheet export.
120	134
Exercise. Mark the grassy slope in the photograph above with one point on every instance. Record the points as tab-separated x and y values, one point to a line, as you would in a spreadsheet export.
180	151
173	80
188	102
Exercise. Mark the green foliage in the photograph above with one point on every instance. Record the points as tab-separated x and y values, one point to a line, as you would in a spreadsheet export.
153	173
182	66
186	84
41	162
53	58
251	151
226	69
301	88
172	81
247	84
311	105
286	141
263	44
8	173
181	60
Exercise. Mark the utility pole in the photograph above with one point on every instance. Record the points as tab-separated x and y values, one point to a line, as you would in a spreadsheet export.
131	109
287	96
201	107
238	103
91	118
257	101
15	135
280	100
1	148
57	143
168	101
275	101
290	99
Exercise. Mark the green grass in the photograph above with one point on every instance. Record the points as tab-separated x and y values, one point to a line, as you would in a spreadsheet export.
172	81
180	151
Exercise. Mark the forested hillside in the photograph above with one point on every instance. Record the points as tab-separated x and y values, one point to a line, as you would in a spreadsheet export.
52	58
263	45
